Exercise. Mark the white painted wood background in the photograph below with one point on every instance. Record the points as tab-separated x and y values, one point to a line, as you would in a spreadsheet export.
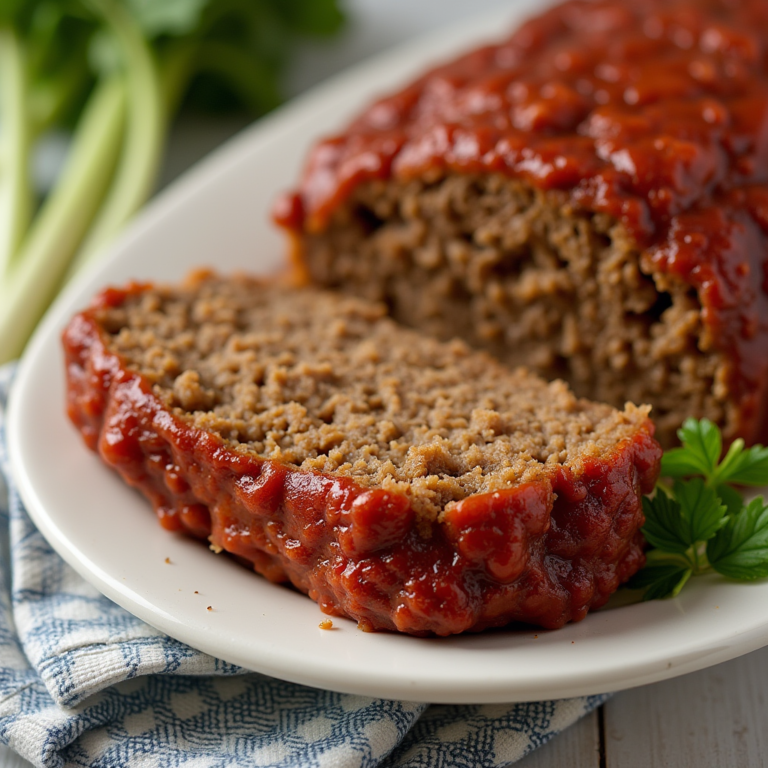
717	718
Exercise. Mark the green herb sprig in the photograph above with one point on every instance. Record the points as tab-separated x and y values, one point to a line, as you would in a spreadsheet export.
701	524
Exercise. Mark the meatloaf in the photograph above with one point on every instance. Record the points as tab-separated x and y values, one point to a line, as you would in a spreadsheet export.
588	197
408	483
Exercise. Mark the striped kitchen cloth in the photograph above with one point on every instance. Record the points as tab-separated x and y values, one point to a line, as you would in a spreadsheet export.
84	683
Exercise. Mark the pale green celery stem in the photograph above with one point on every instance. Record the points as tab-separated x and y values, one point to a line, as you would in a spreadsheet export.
15	187
145	133
64	218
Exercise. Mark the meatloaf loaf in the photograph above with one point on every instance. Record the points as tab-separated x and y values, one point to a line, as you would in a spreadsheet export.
408	483
588	197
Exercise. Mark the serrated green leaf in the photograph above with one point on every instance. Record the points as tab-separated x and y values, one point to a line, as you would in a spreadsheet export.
740	549
702	445
706	508
679	462
731	459
744	467
732	499
701	511
664	527
660	581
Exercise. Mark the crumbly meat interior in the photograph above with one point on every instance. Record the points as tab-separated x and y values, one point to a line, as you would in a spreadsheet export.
329	384
518	272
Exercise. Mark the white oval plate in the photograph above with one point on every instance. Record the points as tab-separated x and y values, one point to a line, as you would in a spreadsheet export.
218	215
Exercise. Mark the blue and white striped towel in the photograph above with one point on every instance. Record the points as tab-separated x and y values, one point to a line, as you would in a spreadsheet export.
84	683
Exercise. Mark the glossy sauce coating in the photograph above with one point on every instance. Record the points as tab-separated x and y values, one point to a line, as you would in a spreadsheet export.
652	111
543	552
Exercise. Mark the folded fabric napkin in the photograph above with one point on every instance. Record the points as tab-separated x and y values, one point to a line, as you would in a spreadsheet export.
85	683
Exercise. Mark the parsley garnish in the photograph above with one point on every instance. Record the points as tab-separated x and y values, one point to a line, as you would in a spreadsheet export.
702	524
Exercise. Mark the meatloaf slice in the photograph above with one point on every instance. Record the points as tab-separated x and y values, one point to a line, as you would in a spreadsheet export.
407	483
588	197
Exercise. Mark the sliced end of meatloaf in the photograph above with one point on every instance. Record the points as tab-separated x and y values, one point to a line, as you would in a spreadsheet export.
311	435
523	274
587	197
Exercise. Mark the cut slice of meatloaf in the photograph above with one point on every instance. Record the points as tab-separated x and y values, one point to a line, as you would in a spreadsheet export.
588	198
407	483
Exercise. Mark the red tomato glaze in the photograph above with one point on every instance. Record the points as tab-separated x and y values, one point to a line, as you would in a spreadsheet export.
543	553
653	111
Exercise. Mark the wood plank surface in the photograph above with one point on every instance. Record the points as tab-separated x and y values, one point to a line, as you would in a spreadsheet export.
716	718
576	747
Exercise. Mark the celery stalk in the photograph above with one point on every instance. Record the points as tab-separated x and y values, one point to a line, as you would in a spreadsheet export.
145	131
143	56
15	190
64	218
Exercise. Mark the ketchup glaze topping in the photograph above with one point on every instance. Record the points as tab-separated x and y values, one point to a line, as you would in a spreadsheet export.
652	111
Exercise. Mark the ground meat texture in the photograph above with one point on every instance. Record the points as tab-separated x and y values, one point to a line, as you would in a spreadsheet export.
589	198
408	483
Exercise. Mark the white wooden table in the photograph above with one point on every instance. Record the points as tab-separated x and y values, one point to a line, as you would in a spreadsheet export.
717	718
